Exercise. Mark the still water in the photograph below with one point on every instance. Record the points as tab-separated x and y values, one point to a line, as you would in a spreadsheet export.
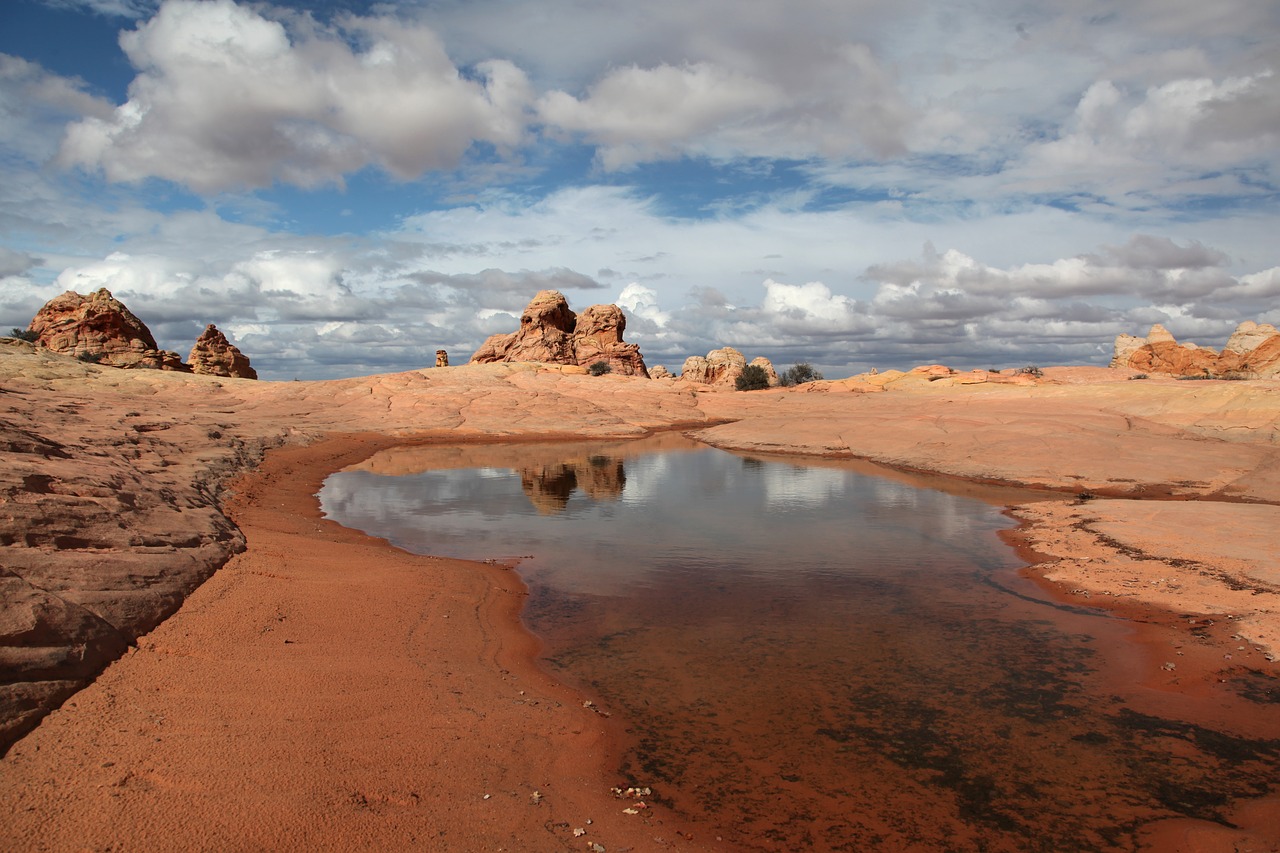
810	657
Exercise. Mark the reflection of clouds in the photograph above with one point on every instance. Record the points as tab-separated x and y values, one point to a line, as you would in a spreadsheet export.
793	487
647	476
890	493
706	514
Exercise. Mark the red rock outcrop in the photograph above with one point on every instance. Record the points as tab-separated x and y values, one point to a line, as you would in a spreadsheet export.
1252	352
722	367
214	355
552	333
99	328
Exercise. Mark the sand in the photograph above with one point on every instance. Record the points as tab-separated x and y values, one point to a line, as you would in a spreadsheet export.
322	690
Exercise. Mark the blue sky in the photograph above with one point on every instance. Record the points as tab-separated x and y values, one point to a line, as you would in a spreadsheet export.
346	187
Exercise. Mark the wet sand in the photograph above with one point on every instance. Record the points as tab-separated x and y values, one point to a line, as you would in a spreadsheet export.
325	691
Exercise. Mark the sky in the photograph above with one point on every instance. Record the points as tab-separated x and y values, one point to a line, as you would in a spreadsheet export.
344	187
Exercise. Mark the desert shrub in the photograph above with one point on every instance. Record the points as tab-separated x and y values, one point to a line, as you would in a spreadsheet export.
752	378
1138	376
600	368
90	357
1030	370
23	334
799	374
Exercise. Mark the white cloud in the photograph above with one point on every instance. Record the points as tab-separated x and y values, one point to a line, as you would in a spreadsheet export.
642	303
638	114
812	309
1164	139
227	98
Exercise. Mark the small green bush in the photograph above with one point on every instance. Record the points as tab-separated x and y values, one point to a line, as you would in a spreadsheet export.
90	357
600	368
799	374
23	335
752	378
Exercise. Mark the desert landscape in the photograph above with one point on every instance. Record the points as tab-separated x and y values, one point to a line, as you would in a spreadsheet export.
194	659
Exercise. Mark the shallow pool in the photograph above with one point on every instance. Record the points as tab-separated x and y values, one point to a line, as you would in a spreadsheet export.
813	657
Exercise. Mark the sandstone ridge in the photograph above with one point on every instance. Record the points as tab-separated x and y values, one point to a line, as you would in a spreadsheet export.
1252	352
551	333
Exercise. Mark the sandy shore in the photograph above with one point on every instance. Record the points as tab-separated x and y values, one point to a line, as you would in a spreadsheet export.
322	690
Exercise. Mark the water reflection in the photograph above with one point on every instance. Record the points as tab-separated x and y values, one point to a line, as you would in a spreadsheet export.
813	658
549	487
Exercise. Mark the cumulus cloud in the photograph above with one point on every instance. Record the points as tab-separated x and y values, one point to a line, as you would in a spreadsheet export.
1177	137
847	106
15	263
226	97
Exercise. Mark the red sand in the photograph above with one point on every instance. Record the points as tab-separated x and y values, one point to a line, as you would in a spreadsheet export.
324	691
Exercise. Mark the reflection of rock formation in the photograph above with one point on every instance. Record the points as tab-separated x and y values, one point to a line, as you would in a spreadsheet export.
549	487
550	332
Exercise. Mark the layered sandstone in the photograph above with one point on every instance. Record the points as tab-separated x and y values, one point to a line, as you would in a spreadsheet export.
99	328
1252	352
722	367
551	333
214	355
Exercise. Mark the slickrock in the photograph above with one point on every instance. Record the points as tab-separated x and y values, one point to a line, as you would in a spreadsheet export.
214	355
113	508
111	484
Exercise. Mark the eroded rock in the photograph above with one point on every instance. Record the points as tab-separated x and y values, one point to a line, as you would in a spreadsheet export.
214	355
1252	352
722	367
99	328
551	333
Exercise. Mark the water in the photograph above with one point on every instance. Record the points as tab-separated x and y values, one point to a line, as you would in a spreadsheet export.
810	657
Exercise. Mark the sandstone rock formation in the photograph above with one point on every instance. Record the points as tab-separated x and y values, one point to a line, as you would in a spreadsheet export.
214	355
98	327
442	358
659	372
1252	352
552	333
722	367
767	366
